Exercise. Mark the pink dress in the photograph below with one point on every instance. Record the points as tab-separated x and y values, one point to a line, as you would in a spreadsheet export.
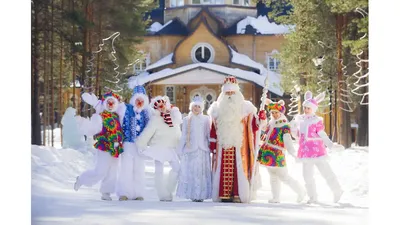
311	144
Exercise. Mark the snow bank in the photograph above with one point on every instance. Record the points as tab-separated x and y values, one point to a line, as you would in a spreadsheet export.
55	202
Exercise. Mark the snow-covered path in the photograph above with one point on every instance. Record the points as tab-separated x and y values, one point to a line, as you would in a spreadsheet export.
55	202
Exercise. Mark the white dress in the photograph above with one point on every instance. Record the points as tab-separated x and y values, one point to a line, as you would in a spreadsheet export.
195	173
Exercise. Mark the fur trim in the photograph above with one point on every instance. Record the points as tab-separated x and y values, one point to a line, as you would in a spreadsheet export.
248	108
145	101
176	116
201	104
308	103
282	117
167	102
314	160
230	87
115	106
213	110
243	183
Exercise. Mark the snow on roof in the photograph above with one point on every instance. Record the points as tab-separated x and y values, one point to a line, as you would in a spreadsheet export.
273	78
162	62
156	26
244	60
262	25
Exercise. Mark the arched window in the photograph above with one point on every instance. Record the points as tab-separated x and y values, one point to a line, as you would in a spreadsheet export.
203	53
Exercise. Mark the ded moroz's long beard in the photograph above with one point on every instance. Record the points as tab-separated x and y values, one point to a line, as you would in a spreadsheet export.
229	126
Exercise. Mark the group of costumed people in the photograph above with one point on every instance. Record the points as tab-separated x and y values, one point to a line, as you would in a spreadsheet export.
215	156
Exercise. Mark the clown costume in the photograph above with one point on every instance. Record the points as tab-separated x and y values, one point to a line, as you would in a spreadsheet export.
108	136
276	139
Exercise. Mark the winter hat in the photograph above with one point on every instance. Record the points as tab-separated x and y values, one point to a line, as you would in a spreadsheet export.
197	100
159	102
110	94
112	105
313	102
139	92
275	106
230	84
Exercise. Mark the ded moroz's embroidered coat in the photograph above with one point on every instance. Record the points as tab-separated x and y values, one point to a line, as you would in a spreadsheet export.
244	149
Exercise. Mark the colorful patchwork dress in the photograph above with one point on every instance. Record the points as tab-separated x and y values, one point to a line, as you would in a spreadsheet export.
110	133
271	152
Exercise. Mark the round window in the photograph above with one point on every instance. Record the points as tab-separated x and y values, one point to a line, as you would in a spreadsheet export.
203	53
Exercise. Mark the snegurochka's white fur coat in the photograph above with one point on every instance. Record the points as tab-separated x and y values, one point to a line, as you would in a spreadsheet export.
158	140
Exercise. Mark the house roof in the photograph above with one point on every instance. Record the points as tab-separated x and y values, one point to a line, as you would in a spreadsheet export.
262	24
244	60
202	21
172	27
162	62
205	10
273	78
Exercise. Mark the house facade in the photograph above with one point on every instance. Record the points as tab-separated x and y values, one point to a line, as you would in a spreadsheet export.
198	43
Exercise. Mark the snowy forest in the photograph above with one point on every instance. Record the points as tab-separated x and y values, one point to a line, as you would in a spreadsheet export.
68	52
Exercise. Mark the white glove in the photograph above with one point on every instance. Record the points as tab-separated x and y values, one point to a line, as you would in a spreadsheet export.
92	100
116	144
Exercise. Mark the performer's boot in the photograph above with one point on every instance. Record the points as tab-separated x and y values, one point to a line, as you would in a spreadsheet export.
139	199
275	188
123	198
171	184
160	188
106	196
236	199
331	179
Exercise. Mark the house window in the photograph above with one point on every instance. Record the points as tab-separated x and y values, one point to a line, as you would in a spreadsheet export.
207	1
141	64
170	92
272	61
175	3
241	2
203	53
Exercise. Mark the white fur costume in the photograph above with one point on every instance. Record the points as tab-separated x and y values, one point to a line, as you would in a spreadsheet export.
312	151
105	169
159	141
131	172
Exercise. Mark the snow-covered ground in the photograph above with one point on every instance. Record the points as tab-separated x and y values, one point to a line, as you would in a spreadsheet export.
55	202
